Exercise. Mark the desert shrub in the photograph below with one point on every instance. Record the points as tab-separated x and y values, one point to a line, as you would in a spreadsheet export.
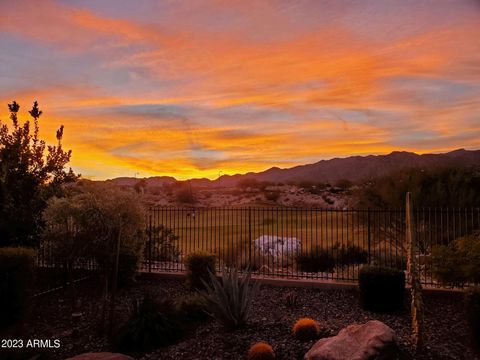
248	183
248	256
350	254
446	266
185	196
344	184
458	262
396	261
272	195
128	264
157	190
199	265
152	324
261	351
141	186
316	260
381	288
328	200
91	223
192	307
162	243
446	186
472	307
16	270
306	329
230	298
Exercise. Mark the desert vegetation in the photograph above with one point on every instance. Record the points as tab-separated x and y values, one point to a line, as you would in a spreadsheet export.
454	187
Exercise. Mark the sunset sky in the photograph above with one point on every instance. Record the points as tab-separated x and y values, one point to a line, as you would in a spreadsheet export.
195	88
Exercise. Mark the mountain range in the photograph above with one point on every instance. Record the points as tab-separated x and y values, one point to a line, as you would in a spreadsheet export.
353	168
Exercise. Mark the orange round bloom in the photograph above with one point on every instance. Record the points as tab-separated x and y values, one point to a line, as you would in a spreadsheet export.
261	351
306	329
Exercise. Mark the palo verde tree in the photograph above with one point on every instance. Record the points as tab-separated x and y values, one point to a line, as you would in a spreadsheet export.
30	173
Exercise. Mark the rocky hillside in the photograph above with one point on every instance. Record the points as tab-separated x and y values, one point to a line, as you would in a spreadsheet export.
354	169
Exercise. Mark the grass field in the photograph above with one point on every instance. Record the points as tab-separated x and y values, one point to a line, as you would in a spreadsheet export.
227	232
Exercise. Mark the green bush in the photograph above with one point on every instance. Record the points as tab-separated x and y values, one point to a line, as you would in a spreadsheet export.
392	260
87	224
446	267
16	271
472	306
163	245
381	288
458	262
199	265
128	265
350	255
192	307
152	324
230	298
316	260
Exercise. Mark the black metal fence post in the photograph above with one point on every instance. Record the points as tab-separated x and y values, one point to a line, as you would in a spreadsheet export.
369	238
249	235
150	239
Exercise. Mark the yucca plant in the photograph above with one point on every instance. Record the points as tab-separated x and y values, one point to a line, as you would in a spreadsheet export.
230	297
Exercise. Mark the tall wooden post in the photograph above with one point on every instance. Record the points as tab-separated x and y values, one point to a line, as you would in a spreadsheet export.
414	277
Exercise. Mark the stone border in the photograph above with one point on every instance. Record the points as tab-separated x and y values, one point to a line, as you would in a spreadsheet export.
305	283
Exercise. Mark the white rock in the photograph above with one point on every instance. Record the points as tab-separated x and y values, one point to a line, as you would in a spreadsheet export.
278	247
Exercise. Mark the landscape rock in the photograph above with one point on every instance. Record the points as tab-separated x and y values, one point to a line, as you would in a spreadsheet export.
101	356
278	247
372	340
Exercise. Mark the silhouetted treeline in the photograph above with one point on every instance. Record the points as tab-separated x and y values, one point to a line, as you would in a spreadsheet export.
446	187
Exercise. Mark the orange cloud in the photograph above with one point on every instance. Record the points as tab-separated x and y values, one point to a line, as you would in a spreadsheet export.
238	90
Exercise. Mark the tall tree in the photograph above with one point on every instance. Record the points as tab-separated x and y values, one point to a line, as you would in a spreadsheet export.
30	173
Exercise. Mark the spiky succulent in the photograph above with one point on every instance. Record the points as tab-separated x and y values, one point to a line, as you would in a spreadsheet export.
230	297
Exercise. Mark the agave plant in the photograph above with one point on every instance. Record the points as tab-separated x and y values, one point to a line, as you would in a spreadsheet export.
230	297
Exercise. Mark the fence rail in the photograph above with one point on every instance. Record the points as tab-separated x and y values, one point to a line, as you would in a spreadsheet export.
301	243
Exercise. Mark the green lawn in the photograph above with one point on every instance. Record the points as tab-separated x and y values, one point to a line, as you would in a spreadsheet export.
226	231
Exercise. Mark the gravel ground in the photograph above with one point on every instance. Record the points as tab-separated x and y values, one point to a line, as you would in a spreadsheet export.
271	321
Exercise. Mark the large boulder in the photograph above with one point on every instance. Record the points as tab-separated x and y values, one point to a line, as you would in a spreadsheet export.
101	356
372	340
282	249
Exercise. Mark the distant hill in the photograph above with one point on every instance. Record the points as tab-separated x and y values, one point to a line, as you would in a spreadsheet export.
358	168
150	182
353	168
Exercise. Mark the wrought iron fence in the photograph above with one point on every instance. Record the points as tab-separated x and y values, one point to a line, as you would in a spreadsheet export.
54	271
300	243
